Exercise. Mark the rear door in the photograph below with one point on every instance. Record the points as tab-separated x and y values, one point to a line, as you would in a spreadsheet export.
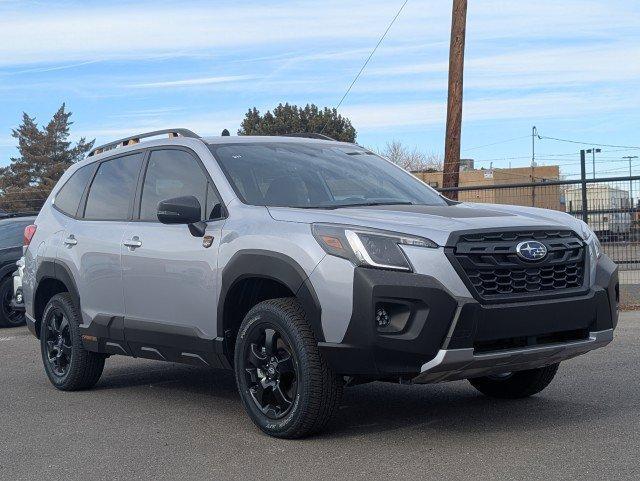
92	240
169	275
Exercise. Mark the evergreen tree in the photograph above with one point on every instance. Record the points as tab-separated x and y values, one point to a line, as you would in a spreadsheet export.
44	156
291	119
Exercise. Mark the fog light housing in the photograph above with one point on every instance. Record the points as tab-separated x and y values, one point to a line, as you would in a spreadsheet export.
392	317
383	319
19	297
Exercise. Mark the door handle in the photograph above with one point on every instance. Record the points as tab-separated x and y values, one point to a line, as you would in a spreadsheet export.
133	243
70	241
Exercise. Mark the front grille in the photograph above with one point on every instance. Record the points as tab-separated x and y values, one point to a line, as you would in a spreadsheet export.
494	272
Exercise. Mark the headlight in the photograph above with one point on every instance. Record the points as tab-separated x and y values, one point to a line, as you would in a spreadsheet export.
591	239
368	247
585	231
594	243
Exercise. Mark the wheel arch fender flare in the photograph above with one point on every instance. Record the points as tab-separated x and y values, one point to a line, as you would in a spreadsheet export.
51	269
274	266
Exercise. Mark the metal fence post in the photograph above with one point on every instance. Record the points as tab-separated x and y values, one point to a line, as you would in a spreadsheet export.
583	178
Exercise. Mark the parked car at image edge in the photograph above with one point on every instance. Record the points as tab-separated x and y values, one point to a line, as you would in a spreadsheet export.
305	265
18	302
11	241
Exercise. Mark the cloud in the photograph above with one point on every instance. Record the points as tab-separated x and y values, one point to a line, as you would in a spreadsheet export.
78	32
577	68
204	124
51	68
147	113
194	81
159	64
553	105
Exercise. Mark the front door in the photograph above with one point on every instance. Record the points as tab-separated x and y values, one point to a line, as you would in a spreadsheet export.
169	275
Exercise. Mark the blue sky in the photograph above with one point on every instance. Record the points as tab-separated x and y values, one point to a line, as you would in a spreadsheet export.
572	68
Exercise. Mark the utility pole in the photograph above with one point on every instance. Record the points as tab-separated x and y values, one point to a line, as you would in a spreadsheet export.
594	152
583	178
534	134
630	158
451	169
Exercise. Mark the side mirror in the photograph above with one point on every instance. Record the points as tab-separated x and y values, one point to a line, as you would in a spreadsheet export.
180	210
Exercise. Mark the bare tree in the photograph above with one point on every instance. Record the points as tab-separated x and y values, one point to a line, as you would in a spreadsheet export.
411	160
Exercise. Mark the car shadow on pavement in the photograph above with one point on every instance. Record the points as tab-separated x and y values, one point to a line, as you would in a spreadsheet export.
380	407
452	408
171	376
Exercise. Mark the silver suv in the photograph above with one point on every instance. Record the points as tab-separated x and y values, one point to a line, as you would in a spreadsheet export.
305	265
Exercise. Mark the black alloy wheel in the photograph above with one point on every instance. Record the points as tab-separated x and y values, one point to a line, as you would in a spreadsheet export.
8	316
286	386
67	364
271	372
57	342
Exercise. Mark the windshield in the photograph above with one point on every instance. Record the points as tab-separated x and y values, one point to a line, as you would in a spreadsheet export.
317	176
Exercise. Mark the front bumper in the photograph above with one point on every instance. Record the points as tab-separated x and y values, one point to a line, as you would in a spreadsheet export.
455	364
448	338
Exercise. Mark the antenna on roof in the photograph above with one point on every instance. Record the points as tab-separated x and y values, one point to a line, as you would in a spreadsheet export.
225	133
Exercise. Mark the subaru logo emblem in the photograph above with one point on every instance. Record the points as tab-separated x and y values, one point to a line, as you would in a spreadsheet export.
531	250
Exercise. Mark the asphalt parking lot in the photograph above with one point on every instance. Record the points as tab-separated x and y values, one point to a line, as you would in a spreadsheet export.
148	420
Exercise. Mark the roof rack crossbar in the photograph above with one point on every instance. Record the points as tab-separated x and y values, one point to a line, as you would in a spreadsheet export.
134	139
310	135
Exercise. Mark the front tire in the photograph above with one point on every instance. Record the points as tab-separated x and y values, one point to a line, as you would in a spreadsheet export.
68	365
285	385
516	385
8	317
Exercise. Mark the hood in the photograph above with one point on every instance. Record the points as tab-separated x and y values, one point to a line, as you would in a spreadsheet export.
433	222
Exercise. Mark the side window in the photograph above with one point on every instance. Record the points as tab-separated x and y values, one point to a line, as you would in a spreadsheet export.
171	173
68	197
112	188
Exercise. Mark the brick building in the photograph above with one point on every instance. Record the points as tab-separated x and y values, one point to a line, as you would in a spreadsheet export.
545	196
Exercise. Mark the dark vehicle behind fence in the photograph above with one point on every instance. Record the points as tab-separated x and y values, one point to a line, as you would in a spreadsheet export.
11	240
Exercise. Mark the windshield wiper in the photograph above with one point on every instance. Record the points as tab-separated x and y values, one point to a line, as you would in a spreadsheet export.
342	206
369	204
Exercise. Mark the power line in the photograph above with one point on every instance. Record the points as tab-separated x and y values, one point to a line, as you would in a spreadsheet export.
543	137
548	157
370	55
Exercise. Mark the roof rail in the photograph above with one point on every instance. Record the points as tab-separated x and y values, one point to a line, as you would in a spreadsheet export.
134	139
310	135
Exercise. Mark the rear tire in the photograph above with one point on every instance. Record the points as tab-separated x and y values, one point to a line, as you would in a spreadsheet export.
285	385
68	365
517	385
8	317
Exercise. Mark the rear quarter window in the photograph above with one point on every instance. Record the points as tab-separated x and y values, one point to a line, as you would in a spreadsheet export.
68	197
